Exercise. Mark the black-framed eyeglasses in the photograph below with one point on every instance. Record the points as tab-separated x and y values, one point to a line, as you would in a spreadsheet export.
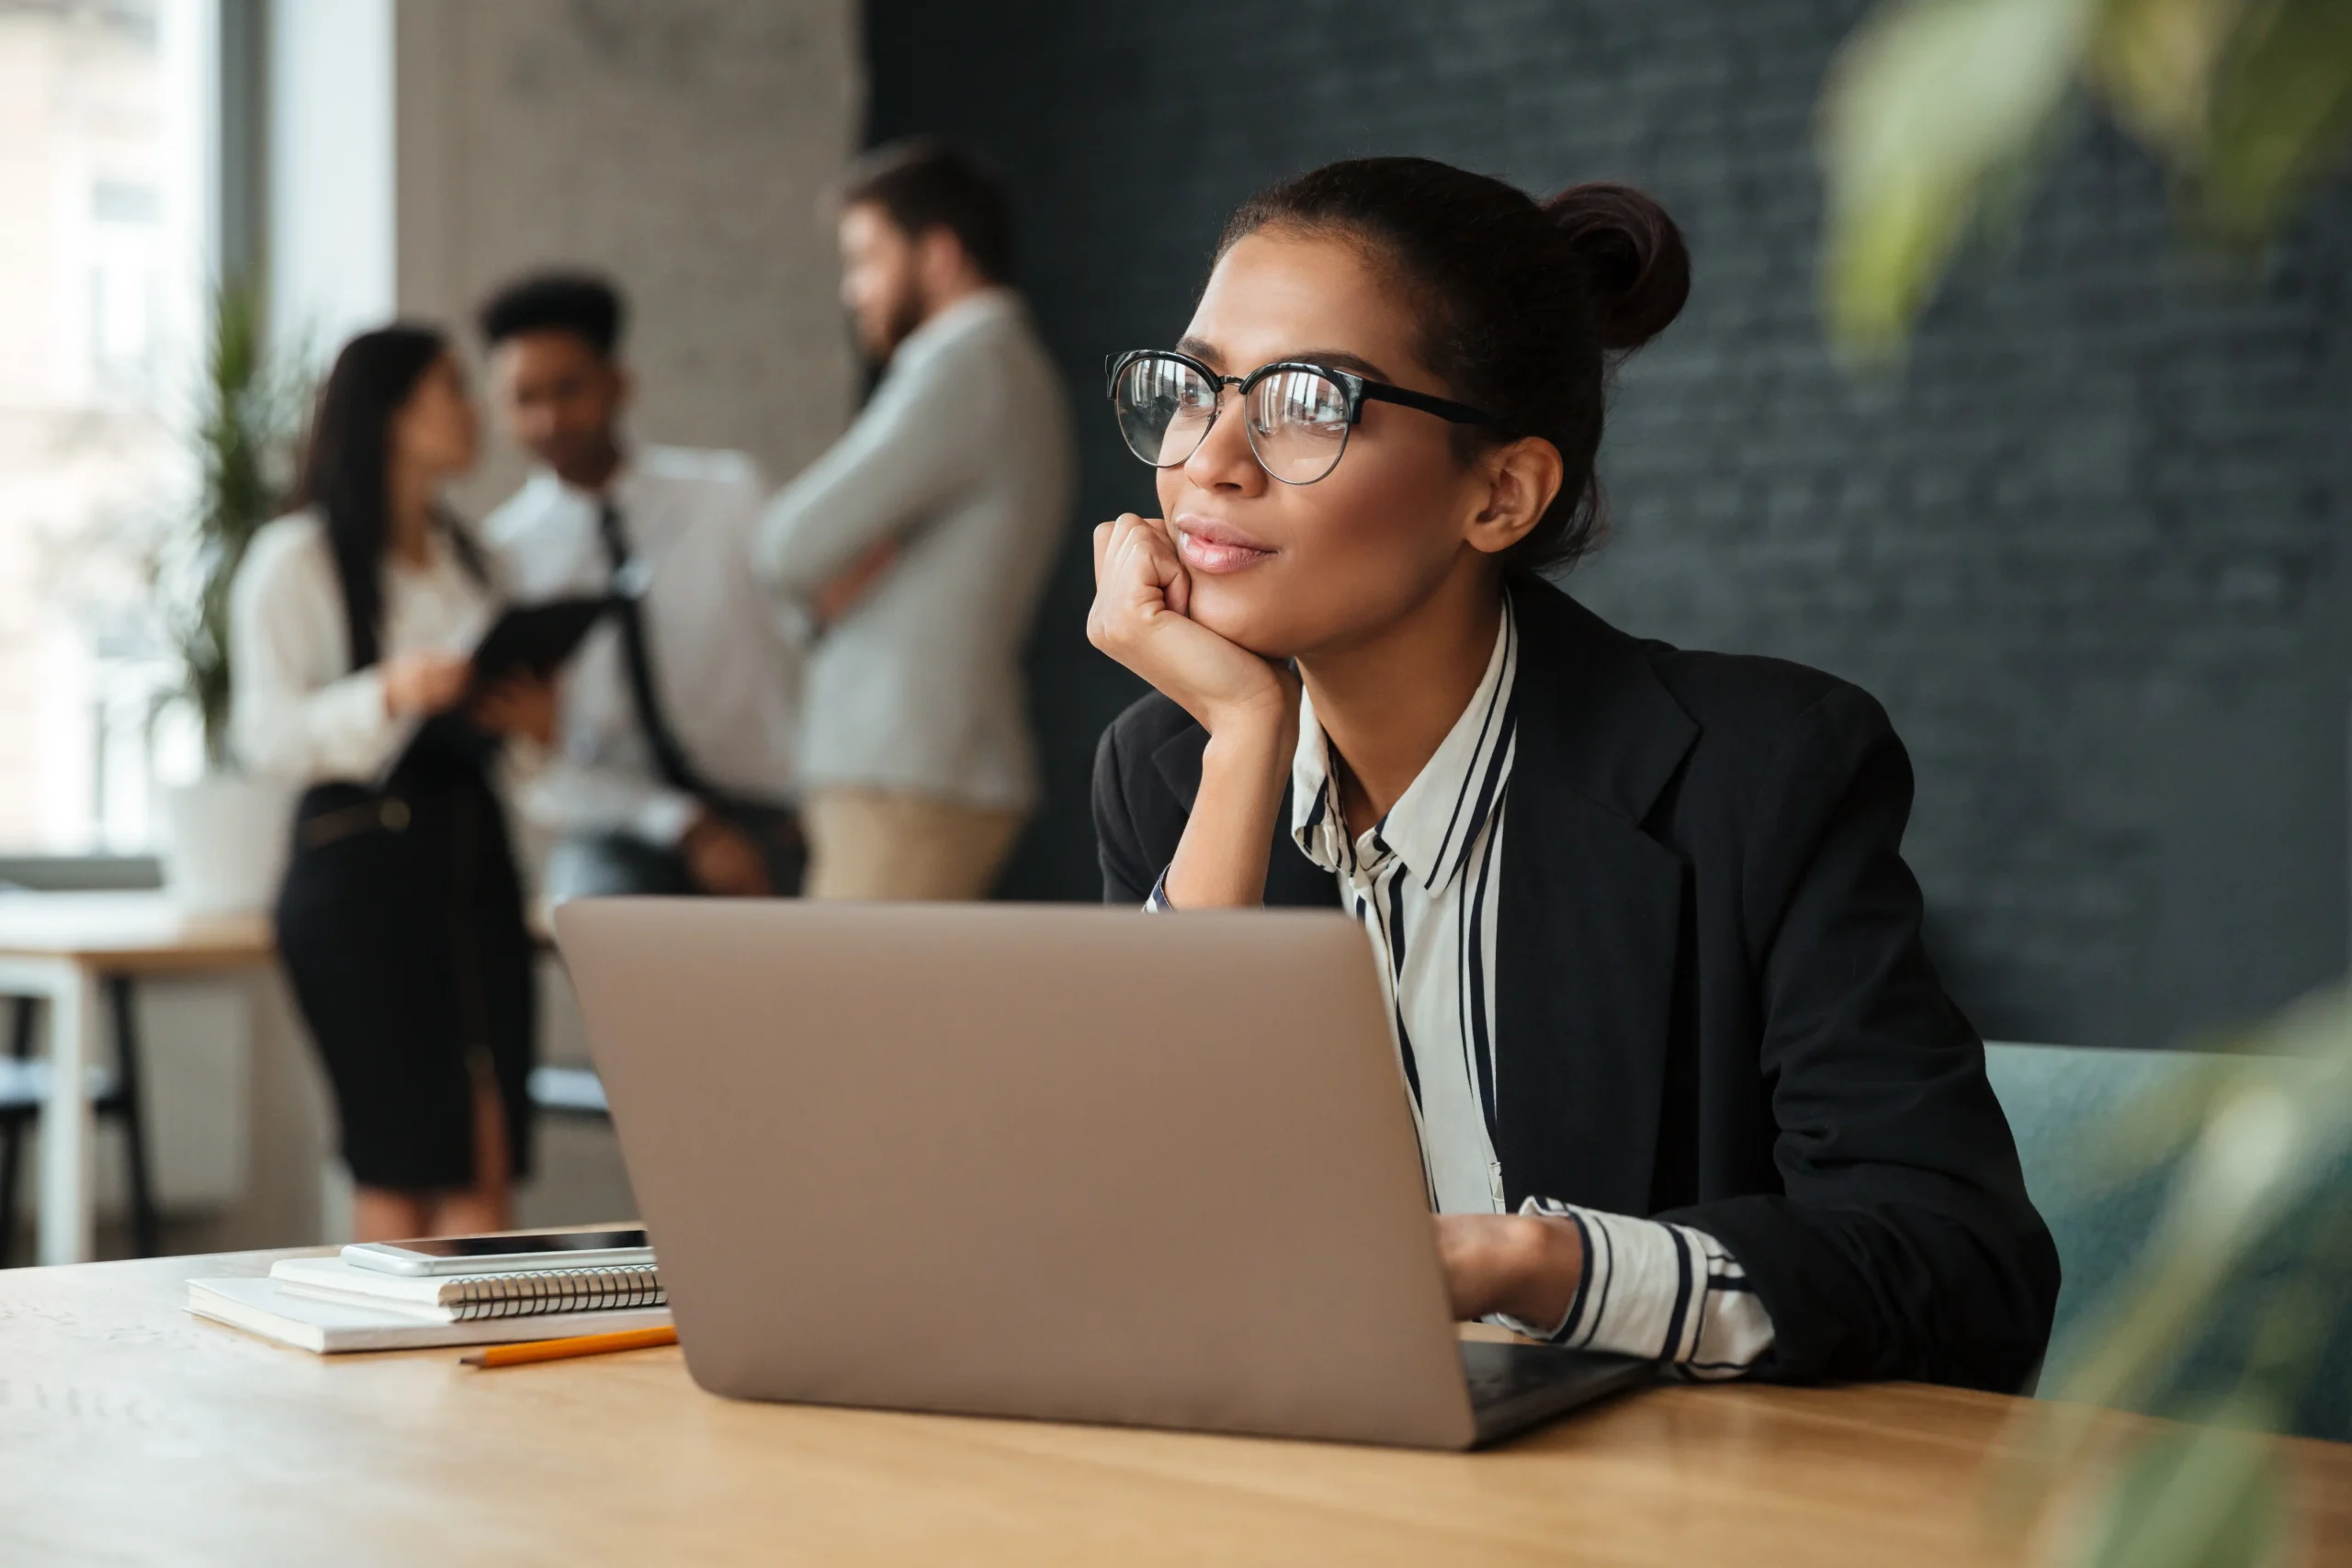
1298	413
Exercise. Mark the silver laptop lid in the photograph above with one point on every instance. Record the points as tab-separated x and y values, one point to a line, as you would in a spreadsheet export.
1069	1163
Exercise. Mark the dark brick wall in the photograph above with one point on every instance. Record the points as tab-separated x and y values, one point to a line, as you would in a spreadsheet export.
2085	549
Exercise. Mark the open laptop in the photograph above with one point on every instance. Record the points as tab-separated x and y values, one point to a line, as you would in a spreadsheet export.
1076	1164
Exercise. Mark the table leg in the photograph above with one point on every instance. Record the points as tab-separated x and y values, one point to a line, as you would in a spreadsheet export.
66	1224
146	1231
12	1137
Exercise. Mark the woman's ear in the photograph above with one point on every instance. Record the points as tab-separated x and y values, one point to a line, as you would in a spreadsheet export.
1521	477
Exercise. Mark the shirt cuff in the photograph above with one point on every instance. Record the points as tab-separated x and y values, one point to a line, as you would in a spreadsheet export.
1662	1291
1158	903
353	735
664	818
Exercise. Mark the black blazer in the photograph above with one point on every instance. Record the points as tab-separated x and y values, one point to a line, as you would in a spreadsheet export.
1713	1005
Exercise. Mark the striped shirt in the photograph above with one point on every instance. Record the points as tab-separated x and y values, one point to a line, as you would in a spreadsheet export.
1426	883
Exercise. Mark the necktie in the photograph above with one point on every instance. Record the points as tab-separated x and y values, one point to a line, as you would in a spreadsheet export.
669	757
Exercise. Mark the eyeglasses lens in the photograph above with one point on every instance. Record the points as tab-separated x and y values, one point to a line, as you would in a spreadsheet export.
1297	419
1299	425
1164	407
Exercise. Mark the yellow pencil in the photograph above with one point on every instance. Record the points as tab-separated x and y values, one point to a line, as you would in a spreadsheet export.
580	1345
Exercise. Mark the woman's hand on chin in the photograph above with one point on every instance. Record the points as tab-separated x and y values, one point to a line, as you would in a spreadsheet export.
1524	1266
1249	706
1141	617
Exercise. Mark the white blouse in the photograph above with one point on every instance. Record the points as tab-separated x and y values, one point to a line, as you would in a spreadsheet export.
297	710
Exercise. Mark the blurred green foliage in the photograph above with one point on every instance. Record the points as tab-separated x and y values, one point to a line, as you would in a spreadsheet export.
1936	119
1938	114
2249	1253
245	418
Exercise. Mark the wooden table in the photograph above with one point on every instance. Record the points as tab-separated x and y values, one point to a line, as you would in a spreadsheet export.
133	1433
61	948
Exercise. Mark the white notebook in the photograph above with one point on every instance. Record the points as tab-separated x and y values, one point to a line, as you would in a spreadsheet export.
327	1327
454	1298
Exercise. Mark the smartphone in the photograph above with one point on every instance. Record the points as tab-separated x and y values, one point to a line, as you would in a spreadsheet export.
502	1254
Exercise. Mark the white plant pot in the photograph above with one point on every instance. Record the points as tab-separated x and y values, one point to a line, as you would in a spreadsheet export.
226	843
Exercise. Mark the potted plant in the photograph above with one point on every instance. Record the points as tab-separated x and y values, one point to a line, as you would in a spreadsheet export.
225	829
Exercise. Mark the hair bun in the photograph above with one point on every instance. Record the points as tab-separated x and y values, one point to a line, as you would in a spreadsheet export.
1638	268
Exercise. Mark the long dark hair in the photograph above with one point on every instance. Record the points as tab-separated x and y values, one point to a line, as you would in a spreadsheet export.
346	467
1525	306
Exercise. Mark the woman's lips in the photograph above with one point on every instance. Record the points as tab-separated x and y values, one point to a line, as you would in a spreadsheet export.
1214	548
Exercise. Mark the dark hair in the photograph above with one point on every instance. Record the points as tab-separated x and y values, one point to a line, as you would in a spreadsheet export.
924	184
576	303
346	467
1525	307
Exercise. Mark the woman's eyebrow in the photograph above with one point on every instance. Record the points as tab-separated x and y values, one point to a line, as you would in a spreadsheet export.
1337	358
1340	359
1199	348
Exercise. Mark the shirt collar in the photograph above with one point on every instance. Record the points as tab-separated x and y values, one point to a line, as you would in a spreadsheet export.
1433	825
550	486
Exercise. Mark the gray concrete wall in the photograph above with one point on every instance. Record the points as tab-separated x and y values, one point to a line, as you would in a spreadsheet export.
682	148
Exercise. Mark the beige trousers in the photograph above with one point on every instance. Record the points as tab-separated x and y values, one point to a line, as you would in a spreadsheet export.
869	843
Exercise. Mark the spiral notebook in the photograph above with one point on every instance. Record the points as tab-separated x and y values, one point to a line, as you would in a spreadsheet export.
266	1307
463	1298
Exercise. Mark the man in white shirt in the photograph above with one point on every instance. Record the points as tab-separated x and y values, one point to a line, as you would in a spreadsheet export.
673	766
918	766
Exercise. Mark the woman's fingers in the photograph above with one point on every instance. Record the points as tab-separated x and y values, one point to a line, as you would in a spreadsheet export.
448	682
518	705
1525	1265
1141	616
425	681
1180	581
1154	566
1131	577
1120	589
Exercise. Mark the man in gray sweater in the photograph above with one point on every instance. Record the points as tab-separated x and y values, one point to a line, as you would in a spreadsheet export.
921	542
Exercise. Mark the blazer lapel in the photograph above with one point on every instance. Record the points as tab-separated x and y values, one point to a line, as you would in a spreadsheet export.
1292	880
1591	913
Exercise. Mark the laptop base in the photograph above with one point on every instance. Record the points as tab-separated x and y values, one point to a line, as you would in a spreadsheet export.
1515	1387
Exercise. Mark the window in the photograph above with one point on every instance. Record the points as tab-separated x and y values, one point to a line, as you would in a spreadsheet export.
102	269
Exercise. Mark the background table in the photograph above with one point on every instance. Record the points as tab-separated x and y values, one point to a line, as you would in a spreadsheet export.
135	1433
61	947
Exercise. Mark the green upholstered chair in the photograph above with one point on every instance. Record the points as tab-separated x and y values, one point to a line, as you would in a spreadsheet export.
2057	1098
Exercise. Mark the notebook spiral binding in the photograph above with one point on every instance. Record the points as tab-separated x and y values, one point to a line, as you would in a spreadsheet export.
555	1289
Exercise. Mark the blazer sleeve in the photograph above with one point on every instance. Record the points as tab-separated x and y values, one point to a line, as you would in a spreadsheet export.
1128	877
1903	1244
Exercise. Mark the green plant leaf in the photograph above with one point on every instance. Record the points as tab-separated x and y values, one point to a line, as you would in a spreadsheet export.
246	411
2282	117
2153	61
1931	121
2263	1152
2192	1497
2274	1132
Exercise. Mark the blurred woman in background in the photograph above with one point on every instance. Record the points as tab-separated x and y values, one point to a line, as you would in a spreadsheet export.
400	919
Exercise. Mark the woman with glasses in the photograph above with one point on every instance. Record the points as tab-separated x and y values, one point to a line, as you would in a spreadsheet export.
1687	1085
401	919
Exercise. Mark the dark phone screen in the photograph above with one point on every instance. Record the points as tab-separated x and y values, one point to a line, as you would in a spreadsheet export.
505	1246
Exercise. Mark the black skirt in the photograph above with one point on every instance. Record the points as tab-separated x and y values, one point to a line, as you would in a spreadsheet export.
401	925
